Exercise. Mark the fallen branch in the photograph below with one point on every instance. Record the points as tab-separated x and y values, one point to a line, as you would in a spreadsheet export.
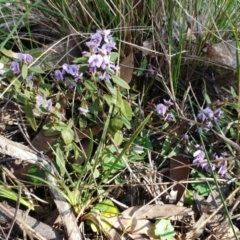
19	151
36	226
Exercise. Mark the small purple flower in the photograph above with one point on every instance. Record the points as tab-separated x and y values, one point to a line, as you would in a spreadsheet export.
106	34
84	111
48	104
104	75
168	117
1	69
95	60
161	109
26	58
15	67
199	154
185	138
207	113
168	103
70	83
223	169
201	116
217	113
108	47
199	161
115	68
58	76
39	100
208	125
71	69
29	78
105	62
208	168
150	71
95	40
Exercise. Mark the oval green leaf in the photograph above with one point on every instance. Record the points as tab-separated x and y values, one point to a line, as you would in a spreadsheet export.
120	82
24	71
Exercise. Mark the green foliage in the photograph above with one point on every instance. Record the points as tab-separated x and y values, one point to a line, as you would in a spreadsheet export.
202	187
164	229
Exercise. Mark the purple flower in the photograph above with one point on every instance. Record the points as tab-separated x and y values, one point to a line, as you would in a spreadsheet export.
161	109
15	67
105	62
199	154
113	67
70	83
106	34
48	104
108	47
208	168
185	138
104	75
26	58
1	69
71	69
95	40
168	103
29	78
206	113
150	71
223	169
39	100
208	125
58	75
84	111
168	117
95	60
217	113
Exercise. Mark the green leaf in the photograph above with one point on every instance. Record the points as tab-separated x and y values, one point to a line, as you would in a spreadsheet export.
166	146
164	229
36	70
6	52
80	60
90	85
116	124
118	137
28	109
24	71
126	110
120	82
60	161
203	188
50	132
34	171
67	135
113	56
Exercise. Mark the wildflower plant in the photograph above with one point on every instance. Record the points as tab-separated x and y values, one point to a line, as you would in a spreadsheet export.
77	96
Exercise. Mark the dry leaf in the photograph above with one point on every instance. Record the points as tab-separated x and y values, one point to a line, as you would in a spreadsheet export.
147	44
135	220
179	173
127	67
224	52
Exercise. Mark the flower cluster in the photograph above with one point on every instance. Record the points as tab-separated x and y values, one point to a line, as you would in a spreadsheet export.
70	75
162	109
23	58
200	160
101	45
207	115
